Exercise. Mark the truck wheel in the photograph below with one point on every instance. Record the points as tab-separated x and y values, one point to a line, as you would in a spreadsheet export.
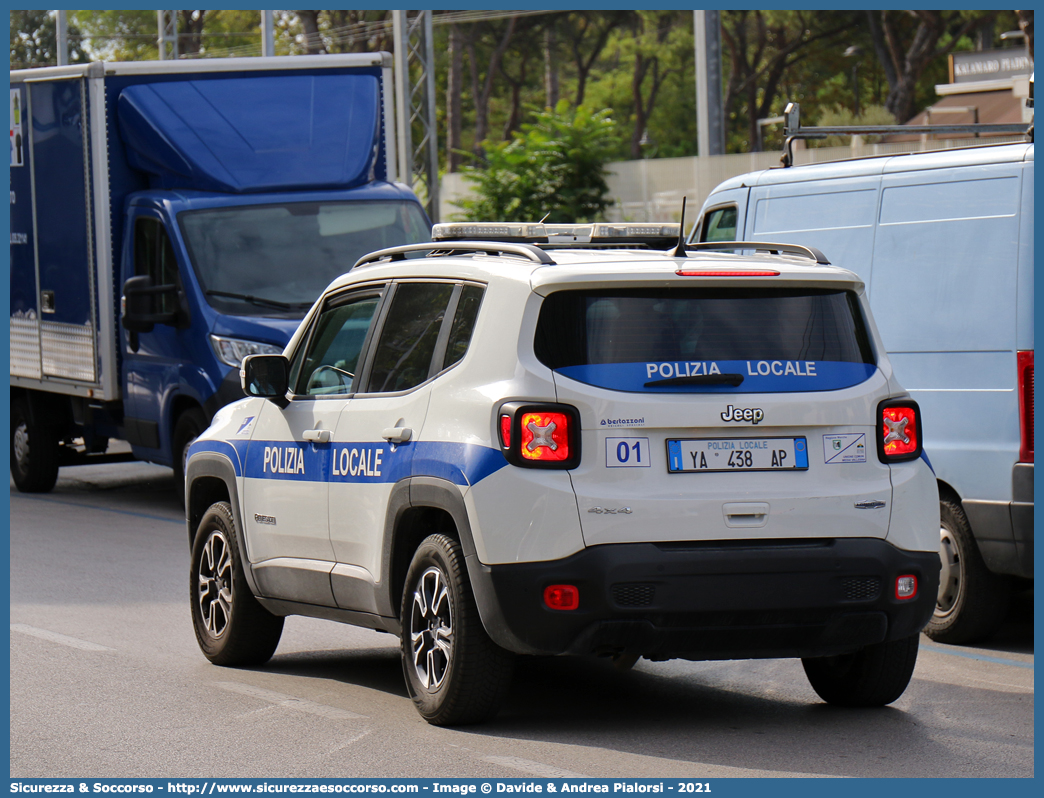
972	602
34	452
871	677
189	426
232	628
454	672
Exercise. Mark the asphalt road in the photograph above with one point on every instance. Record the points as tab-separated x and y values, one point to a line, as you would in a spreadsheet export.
107	681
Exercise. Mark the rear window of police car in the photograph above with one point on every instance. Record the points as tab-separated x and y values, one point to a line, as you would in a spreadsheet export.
579	328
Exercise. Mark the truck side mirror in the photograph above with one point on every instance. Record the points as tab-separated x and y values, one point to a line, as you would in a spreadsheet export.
267	376
141	303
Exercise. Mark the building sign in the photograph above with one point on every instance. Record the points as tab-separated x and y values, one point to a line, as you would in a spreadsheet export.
989	65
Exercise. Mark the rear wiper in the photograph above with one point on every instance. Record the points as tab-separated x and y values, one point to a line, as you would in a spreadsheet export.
260	300
699	379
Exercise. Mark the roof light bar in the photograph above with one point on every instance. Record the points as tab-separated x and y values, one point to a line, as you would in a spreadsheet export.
662	235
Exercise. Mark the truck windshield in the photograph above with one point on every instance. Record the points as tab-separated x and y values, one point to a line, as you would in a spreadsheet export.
274	260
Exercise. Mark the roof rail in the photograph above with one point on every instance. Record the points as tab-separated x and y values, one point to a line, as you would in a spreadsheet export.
450	248
793	130
761	246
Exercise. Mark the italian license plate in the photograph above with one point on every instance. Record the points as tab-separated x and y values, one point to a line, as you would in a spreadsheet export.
736	454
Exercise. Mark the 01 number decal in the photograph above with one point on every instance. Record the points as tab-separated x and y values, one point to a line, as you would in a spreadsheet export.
627	453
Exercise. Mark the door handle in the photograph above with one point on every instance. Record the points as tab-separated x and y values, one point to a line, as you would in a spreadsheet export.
316	435
397	434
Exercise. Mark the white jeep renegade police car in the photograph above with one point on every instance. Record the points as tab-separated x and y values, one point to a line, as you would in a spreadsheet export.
585	439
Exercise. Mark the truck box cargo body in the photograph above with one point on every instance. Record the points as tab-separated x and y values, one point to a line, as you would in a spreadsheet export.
168	218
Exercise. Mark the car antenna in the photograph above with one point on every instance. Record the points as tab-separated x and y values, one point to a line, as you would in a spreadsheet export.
679	251
545	218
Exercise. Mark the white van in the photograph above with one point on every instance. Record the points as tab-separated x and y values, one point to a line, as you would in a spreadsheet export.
944	242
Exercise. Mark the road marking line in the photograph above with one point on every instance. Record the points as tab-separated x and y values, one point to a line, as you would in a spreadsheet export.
289	701
535	768
54	637
179	521
982	657
349	741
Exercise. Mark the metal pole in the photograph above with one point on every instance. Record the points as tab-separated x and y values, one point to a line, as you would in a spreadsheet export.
267	34
699	19
710	116
400	36
433	143
167	22
62	40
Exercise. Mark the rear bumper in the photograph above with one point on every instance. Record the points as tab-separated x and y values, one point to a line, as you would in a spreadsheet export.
1004	530
715	600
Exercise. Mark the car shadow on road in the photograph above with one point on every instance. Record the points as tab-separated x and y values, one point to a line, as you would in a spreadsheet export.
373	668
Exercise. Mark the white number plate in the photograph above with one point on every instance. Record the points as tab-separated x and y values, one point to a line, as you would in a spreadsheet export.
737	454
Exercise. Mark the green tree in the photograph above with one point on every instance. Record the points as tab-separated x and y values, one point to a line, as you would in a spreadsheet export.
555	167
909	42
34	40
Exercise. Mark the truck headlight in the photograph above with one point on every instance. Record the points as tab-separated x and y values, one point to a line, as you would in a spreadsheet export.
233	350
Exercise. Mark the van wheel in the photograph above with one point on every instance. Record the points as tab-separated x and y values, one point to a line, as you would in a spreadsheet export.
972	602
454	672
34	452
871	677
232	628
190	425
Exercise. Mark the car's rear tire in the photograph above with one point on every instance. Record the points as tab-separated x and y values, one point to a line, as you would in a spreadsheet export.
34	451
871	677
232	628
454	672
972	602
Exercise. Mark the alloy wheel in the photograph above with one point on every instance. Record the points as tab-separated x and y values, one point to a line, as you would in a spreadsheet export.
431	628
215	584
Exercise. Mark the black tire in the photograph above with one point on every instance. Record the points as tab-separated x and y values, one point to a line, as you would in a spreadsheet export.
232	628
34	451
465	678
972	602
188	427
871	677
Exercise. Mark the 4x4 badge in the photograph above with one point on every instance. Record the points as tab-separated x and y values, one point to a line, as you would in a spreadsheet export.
610	510
873	504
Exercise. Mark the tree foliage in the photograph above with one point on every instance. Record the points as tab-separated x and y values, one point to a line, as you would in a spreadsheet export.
34	40
495	70
554	167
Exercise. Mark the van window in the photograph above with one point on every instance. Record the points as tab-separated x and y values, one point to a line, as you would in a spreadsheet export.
154	256
719	224
579	328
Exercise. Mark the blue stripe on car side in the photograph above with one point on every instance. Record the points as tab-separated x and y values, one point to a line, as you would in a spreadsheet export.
234	450
459	463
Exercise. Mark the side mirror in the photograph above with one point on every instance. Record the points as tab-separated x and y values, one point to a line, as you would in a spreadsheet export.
141	302
267	376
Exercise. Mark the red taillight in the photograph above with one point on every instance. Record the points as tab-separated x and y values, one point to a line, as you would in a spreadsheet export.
906	587
898	431
545	436
1026	390
745	273
562	597
541	435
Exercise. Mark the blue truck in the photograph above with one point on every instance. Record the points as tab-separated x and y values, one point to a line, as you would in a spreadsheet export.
170	218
